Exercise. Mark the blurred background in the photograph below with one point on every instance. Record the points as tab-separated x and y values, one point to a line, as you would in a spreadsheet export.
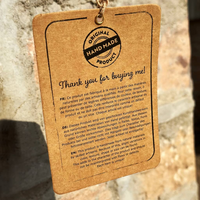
194	30
24	165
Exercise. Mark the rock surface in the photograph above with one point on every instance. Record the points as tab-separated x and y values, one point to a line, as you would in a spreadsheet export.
27	176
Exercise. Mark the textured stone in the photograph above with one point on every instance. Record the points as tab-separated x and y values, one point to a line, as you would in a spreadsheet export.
100	192
174	58
172	110
26	172
186	192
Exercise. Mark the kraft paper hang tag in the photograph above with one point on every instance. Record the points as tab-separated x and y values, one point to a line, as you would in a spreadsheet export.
99	93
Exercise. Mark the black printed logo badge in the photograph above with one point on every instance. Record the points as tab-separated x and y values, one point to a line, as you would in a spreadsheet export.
102	47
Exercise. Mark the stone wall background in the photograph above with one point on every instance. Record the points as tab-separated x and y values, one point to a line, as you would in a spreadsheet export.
24	165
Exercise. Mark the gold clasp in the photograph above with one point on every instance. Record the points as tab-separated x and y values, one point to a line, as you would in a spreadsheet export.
99	19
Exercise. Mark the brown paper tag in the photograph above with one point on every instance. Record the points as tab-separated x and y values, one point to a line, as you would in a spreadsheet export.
99	93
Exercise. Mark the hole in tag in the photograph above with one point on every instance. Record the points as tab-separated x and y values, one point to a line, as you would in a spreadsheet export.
99	19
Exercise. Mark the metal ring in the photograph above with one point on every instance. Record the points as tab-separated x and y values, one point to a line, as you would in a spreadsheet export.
101	17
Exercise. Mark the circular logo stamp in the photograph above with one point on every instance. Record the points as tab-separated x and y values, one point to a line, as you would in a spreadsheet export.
102	47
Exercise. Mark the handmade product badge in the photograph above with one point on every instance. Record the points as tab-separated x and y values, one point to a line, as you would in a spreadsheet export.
98	80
